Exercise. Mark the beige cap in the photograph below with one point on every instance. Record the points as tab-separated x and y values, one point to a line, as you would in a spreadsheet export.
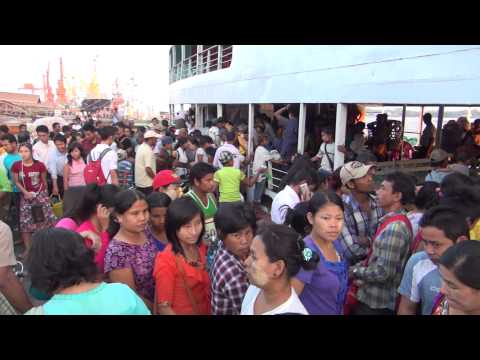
353	170
151	134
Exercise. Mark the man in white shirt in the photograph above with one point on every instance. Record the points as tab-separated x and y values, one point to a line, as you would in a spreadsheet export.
229	147
299	187
326	151
262	156
57	158
110	159
43	145
145	163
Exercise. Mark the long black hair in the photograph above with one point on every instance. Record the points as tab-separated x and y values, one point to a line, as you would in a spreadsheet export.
180	212
283	243
73	146
296	218
463	259
94	195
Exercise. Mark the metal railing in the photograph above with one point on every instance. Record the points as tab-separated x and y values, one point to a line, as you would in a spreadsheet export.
211	59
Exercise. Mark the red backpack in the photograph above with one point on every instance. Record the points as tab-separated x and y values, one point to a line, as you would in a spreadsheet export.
93	172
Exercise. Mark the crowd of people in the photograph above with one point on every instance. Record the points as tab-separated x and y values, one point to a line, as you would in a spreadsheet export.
160	220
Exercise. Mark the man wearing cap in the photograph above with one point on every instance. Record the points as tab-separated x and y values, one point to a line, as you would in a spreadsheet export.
228	147
167	181
439	162
362	212
145	163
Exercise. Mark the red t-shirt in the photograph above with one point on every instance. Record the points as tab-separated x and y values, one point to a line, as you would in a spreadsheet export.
30	176
170	284
88	145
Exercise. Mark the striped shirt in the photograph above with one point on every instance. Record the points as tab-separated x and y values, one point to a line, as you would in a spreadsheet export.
229	283
383	274
358	224
125	174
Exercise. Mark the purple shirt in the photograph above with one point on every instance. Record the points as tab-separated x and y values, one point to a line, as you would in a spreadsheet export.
139	258
326	286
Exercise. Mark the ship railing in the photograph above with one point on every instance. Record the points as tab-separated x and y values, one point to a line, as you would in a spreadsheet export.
210	59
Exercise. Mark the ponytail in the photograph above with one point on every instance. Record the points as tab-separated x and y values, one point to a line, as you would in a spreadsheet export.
283	243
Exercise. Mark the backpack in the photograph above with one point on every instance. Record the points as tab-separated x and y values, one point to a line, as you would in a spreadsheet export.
93	173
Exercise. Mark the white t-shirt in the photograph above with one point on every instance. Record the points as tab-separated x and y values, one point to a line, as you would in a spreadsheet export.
292	305
287	198
109	161
40	151
260	159
237	158
201	152
182	156
322	153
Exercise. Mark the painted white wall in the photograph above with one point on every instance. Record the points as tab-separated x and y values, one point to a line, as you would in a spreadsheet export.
432	74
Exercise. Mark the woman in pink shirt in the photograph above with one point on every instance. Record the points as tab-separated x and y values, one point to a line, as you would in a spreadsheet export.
73	170
92	218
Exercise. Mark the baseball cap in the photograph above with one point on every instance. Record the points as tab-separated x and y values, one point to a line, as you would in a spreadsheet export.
164	178
353	170
150	134
225	157
438	155
166	140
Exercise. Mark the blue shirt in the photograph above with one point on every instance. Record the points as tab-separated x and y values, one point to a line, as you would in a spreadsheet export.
290	139
8	162
437	175
421	281
326	286
105	299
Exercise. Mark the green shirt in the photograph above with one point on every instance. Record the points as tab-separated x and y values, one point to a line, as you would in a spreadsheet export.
105	299
229	179
5	185
209	212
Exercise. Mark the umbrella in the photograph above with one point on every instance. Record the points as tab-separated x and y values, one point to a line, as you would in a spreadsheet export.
49	121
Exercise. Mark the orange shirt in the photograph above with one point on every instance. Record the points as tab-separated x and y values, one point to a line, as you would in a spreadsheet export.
170	285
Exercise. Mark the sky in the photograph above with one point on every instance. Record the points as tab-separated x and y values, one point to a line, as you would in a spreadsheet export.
147	64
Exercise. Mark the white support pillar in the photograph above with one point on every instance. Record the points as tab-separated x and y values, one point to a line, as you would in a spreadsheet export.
181	107
340	132
219	110
301	128
250	129
197	115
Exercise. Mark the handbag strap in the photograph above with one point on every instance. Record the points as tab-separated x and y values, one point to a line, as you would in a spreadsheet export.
187	288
